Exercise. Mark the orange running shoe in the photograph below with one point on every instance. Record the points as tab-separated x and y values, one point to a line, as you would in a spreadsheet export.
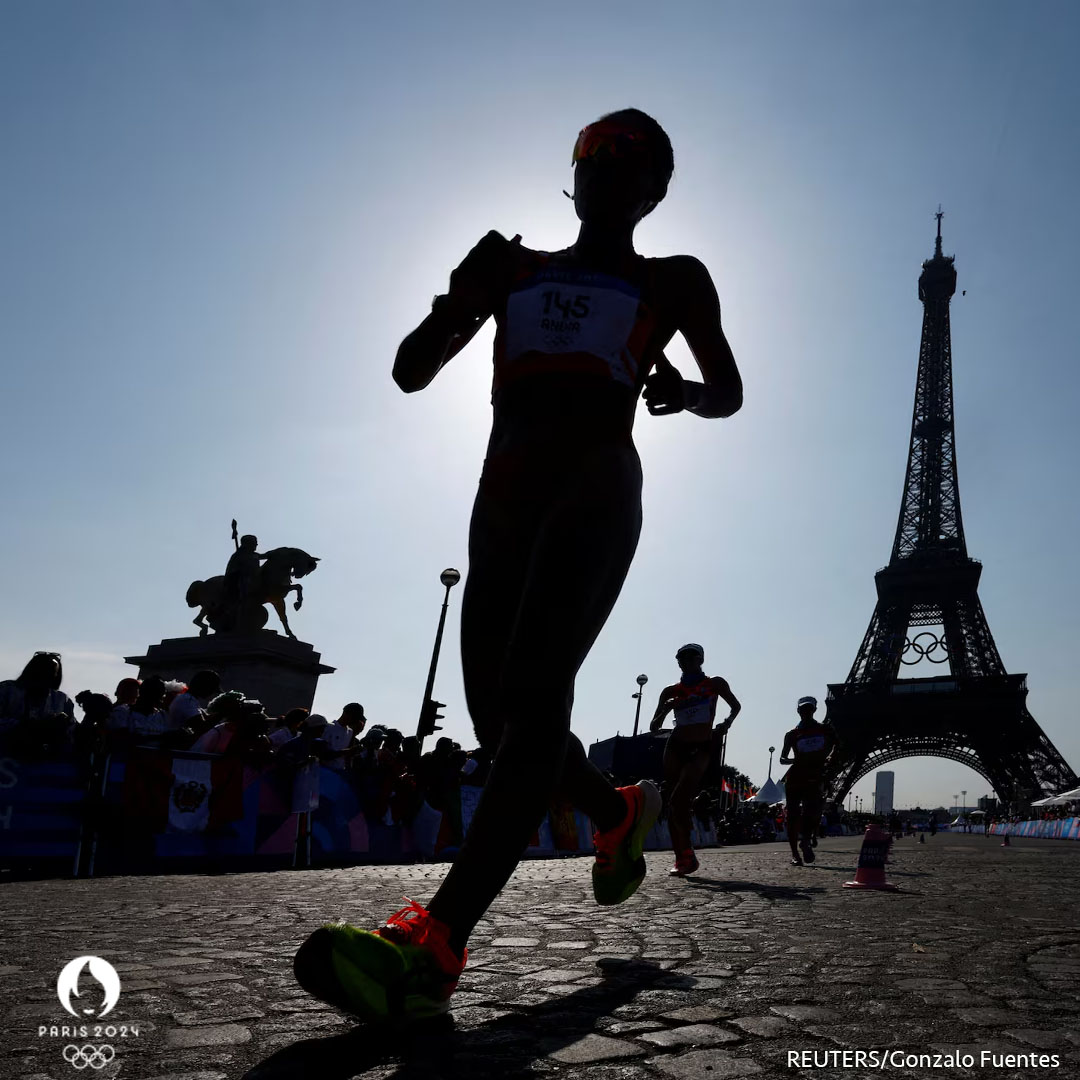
404	970
620	865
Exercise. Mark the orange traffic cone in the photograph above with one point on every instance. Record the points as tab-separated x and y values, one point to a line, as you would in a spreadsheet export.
870	873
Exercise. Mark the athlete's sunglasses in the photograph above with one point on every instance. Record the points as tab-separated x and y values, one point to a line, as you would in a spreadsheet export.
602	140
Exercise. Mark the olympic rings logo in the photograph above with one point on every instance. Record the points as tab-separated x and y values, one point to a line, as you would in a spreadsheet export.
937	652
94	1057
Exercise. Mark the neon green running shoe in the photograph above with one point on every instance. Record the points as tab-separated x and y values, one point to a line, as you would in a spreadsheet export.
620	866
404	970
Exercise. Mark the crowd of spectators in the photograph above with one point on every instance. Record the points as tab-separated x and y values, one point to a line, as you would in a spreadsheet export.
1070	809
387	769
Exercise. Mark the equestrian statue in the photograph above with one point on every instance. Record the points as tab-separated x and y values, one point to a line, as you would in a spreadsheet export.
234	602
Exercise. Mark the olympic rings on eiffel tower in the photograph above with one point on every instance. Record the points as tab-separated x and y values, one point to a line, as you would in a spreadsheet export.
937	652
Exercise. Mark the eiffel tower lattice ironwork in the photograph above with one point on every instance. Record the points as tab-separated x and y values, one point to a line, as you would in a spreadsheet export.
975	715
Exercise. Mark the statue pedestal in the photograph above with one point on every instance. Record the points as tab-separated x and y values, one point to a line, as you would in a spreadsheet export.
280	672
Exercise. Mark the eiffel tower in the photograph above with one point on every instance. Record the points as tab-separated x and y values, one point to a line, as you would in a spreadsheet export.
976	714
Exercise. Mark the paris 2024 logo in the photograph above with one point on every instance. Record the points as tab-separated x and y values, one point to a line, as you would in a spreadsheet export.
90	1010
68	985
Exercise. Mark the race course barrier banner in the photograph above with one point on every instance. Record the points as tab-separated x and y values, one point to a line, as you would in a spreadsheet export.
178	810
1050	829
41	804
157	810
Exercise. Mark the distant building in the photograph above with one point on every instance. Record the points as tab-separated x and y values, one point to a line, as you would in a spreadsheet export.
883	792
989	804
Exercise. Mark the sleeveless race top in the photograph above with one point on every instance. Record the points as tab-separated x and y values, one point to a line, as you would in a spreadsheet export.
570	320
695	704
809	743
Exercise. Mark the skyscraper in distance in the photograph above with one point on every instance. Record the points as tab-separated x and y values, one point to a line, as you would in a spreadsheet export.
883	791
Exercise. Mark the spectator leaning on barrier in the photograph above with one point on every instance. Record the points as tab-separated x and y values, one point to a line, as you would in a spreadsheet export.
127	690
477	765
222	714
96	710
439	778
410	753
307	745
34	707
367	774
339	737
284	728
391	770
366	757
188	708
352	716
173	689
251	738
146	718
119	719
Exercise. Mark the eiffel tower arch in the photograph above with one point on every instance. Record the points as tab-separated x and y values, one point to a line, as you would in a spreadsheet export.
928	611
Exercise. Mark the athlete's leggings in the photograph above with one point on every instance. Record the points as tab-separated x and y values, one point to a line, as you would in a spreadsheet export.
549	548
684	766
804	805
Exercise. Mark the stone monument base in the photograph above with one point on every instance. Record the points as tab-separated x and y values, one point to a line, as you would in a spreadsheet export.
280	672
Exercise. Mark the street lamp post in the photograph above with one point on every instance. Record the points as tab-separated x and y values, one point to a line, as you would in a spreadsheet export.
449	577
641	681
963	798
771	749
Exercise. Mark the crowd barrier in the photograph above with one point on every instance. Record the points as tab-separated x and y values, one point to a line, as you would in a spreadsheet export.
155	810
42	812
1052	829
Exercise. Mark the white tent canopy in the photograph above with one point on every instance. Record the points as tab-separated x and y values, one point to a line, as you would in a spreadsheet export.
1061	797
770	792
1057	800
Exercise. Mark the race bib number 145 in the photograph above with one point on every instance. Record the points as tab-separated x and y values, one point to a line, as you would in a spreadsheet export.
592	314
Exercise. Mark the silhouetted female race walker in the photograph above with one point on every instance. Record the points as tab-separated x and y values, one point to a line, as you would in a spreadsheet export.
807	747
693	700
553	531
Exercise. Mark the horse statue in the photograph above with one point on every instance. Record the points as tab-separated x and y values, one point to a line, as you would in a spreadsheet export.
223	613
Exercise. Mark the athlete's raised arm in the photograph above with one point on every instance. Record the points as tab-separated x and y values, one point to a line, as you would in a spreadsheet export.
785	753
457	315
663	707
698	320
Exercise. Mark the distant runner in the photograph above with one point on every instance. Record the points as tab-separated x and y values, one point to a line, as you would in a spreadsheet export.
686	757
811	743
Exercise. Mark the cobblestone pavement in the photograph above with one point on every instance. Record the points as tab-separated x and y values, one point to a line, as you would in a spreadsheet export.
715	976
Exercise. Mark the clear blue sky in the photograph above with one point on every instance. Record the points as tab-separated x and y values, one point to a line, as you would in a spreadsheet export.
219	220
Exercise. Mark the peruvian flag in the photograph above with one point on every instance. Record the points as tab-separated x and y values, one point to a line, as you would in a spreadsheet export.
183	792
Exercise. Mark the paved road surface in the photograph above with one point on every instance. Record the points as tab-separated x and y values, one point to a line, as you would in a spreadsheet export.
721	975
